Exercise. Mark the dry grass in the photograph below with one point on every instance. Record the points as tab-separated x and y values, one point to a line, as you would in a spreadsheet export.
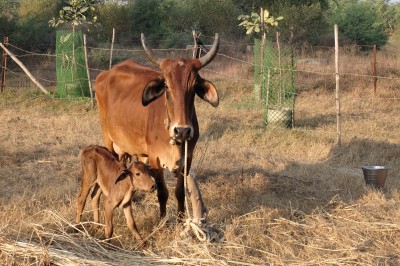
280	197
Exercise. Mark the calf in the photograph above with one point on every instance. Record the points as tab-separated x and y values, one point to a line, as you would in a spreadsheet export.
109	176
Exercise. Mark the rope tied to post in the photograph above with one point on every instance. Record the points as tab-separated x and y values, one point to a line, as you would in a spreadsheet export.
193	224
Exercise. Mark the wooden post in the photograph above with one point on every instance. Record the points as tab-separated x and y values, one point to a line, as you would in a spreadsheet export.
112	47
375	78
280	70
339	133
196	48
24	69
87	69
262	79
266	98
4	66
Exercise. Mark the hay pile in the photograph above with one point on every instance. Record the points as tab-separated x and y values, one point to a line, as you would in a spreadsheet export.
364	233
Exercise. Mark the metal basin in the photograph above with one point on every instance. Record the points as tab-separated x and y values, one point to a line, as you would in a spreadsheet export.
375	176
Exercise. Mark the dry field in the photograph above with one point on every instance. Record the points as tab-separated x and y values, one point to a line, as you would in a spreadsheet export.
275	197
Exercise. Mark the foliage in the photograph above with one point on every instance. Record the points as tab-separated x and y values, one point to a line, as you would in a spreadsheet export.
361	21
252	23
144	16
303	24
114	15
76	12
31	27
169	23
7	18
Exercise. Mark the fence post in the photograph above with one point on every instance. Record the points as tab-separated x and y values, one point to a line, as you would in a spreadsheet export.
22	66
112	47
375	78
196	48
262	79
87	69
4	66
339	133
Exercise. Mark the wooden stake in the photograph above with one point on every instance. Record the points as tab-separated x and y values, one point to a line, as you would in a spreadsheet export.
196	48
4	66
375	78
262	79
22	66
112	47
281	93
87	70
339	133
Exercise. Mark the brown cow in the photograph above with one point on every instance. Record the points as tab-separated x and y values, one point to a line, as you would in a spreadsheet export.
101	169
151	112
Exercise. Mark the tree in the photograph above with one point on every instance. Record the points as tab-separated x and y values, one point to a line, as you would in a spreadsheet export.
206	17
32	27
360	22
7	20
252	23
114	15
304	19
145	17
77	12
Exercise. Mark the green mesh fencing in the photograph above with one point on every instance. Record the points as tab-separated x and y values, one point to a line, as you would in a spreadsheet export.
72	80
275	84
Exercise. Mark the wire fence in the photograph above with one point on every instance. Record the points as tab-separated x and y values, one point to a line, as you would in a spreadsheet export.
370	100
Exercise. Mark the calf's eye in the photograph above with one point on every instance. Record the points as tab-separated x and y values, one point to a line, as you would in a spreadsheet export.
137	174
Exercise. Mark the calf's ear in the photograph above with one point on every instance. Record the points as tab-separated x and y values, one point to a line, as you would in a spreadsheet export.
127	160
122	176
207	91
135	158
153	90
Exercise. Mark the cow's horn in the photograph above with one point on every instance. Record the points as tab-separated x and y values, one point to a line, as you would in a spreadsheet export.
212	53
149	52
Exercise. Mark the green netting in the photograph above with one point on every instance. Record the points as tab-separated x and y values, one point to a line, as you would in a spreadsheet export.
72	80
274	83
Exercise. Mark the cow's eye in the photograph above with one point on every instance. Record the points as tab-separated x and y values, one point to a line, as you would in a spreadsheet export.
137	174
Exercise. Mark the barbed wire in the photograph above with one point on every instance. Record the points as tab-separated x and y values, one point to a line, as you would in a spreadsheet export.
266	68
28	52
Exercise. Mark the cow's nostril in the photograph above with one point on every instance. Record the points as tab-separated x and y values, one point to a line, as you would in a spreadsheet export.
176	131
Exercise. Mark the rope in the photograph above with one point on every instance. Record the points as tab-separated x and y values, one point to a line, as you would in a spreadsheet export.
202	234
185	181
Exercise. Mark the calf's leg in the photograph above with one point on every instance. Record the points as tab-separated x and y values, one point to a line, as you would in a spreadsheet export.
82	196
109	208
96	202
131	222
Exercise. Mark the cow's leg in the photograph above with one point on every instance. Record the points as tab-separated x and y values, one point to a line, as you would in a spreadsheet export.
180	195
180	183
130	222
162	191
96	193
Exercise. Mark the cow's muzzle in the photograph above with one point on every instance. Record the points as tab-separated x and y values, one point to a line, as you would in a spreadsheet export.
181	134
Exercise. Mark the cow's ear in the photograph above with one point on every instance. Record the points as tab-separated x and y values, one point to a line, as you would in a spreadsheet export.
207	91
122	176
153	90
